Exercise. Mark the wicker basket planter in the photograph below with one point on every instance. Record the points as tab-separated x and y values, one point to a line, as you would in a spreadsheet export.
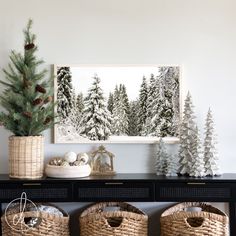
49	224
210	221
97	220
26	157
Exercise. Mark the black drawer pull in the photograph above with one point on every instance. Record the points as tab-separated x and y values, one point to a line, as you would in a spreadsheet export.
196	183
32	184
114	183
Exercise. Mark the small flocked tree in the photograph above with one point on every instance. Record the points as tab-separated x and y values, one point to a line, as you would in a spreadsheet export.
27	98
210	152
196	161
171	166
161	158
187	137
96	120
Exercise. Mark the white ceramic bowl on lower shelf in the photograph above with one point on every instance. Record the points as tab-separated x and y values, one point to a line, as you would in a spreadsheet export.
67	171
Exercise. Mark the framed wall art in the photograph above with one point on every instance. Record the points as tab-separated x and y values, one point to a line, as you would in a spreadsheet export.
116	104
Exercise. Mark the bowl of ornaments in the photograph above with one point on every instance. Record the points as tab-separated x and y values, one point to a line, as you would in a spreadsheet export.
69	166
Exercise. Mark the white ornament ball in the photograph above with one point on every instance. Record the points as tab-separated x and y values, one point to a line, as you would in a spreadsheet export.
83	158
70	157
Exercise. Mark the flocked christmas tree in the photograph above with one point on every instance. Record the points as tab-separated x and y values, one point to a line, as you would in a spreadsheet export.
187	137
196	161
210	152
96	120
171	166
161	158
27	98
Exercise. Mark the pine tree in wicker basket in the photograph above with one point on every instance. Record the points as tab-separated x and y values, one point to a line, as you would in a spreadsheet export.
28	109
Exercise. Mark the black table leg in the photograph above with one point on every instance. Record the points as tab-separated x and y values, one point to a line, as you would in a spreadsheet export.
232	218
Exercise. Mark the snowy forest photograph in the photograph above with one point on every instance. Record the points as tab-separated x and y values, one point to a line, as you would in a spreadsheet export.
116	104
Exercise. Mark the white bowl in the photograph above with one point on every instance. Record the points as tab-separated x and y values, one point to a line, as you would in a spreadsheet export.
67	171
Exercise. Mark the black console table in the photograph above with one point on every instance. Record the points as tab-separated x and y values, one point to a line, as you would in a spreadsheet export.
125	187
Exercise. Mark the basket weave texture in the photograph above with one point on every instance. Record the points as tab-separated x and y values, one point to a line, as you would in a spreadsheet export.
208	222
49	224
127	221
26	157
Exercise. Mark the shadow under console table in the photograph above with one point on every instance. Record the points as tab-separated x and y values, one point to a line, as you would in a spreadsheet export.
125	187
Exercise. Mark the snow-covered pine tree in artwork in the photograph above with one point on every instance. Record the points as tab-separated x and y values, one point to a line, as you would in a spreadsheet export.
96	120
120	125
187	137
133	119
196	161
210	152
125	98
116	122
161	158
157	105
163	117
80	102
73	118
163	103
172	85
110	103
79	106
64	93
143	96
152	94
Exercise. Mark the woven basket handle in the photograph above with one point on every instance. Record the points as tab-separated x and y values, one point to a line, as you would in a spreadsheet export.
195	222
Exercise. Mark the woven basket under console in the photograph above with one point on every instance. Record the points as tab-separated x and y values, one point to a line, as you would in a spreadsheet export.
126	220
48	224
210	221
26	157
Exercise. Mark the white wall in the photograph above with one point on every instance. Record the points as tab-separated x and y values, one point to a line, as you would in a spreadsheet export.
200	35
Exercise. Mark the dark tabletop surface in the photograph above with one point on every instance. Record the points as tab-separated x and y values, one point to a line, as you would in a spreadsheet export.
226	177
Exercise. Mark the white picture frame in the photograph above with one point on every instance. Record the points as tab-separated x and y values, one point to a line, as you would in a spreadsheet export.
71	128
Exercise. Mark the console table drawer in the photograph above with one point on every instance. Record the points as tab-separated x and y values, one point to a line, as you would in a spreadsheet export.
111	191
193	191
36	191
